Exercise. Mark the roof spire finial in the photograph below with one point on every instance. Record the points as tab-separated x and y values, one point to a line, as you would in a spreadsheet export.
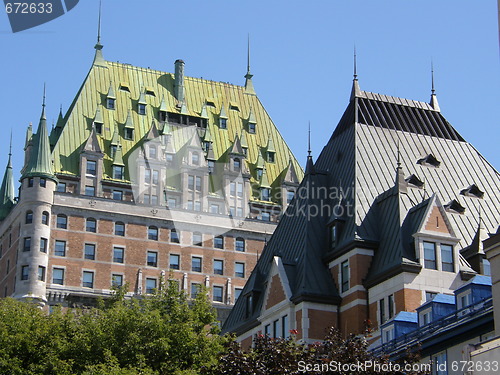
434	102
355	65
43	103
10	145
99	24
248	77
433	91
399	156
309	141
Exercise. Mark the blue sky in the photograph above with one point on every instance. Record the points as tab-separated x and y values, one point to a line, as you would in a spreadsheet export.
301	58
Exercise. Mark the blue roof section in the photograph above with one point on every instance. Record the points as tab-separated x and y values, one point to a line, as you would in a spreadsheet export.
476	280
439	298
405	316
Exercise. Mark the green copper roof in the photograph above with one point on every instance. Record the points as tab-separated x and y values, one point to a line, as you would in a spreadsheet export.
260	161
39	162
264	181
29	136
99	84
7	191
129	123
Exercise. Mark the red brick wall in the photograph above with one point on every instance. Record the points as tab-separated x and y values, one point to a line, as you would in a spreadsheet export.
276	292
319	323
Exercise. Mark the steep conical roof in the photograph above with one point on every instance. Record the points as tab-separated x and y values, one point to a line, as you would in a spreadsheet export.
40	162
264	181
7	191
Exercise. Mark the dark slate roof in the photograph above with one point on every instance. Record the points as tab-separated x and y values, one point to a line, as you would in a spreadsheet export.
300	242
376	134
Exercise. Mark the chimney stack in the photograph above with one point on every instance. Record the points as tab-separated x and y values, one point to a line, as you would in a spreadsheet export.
179	81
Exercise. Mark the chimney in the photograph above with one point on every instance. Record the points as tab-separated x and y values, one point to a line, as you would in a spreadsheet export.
179	81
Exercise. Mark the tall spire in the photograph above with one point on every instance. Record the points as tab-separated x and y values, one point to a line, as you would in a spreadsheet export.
40	161
434	102
7	188
309	163
356	91
98	46
248	77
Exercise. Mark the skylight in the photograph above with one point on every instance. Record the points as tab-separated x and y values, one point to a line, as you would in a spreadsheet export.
429	161
472	191
454	207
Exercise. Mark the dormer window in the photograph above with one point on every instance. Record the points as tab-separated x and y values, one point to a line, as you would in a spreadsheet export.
223	123
162	116
206	146
152	152
124	87
429	161
270	157
91	169
259	173
118	172
234	107
210	103
113	150
245	150
414	181
129	133
265	194
98	127
211	166
454	207
150	92
430	255
251	128
333	236
141	108
195	158
237	165
473	191
110	103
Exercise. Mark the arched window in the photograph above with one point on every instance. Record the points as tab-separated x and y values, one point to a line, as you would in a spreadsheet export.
91	225
153	233
239	244
45	218
62	221
119	228
29	217
237	165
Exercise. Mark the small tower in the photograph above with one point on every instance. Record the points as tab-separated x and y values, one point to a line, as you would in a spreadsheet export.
38	184
7	188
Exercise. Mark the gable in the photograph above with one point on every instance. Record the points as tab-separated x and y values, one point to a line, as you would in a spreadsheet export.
436	222
276	293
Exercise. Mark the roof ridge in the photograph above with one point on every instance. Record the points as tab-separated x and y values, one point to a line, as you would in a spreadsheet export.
396	100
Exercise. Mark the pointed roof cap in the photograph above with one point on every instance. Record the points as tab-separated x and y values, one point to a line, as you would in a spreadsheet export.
98	58
129	122
29	136
207	137
210	153
259	164
115	140
98	115
270	144
237	148
264	181
163	105
222	113
291	173
243	139
118	157
40	161
7	188
142	97
434	102
152	132
309	163
92	143
111	91
203	112
251	117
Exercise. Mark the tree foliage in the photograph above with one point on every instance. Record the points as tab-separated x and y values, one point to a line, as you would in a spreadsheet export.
159	334
333	355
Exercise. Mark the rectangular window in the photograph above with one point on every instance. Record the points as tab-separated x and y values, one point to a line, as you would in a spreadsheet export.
390	305
117	195
174	261
196	264
43	182
30	182
116	280
289	196
217	291
152	152
284	327
88	279
25	272
174	236
152	259
91	225
150	286
118	170
214	208
239	269
147	175
197	205
426	318
118	254
345	276
251	128
381	309
276	328
219	242
232	189
171	202
89	251
62	222
110	103
191	182
119	229
430	255
60	248
154	200
440	364
240	189
239	212
266	216
239	244
43	245
333	236
198	183
41	273
237	293
58	276
447	258
155	177
27	244
147	199
141	109
153	233
61	187
267	330
195	289
90	191
218	267
91	168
